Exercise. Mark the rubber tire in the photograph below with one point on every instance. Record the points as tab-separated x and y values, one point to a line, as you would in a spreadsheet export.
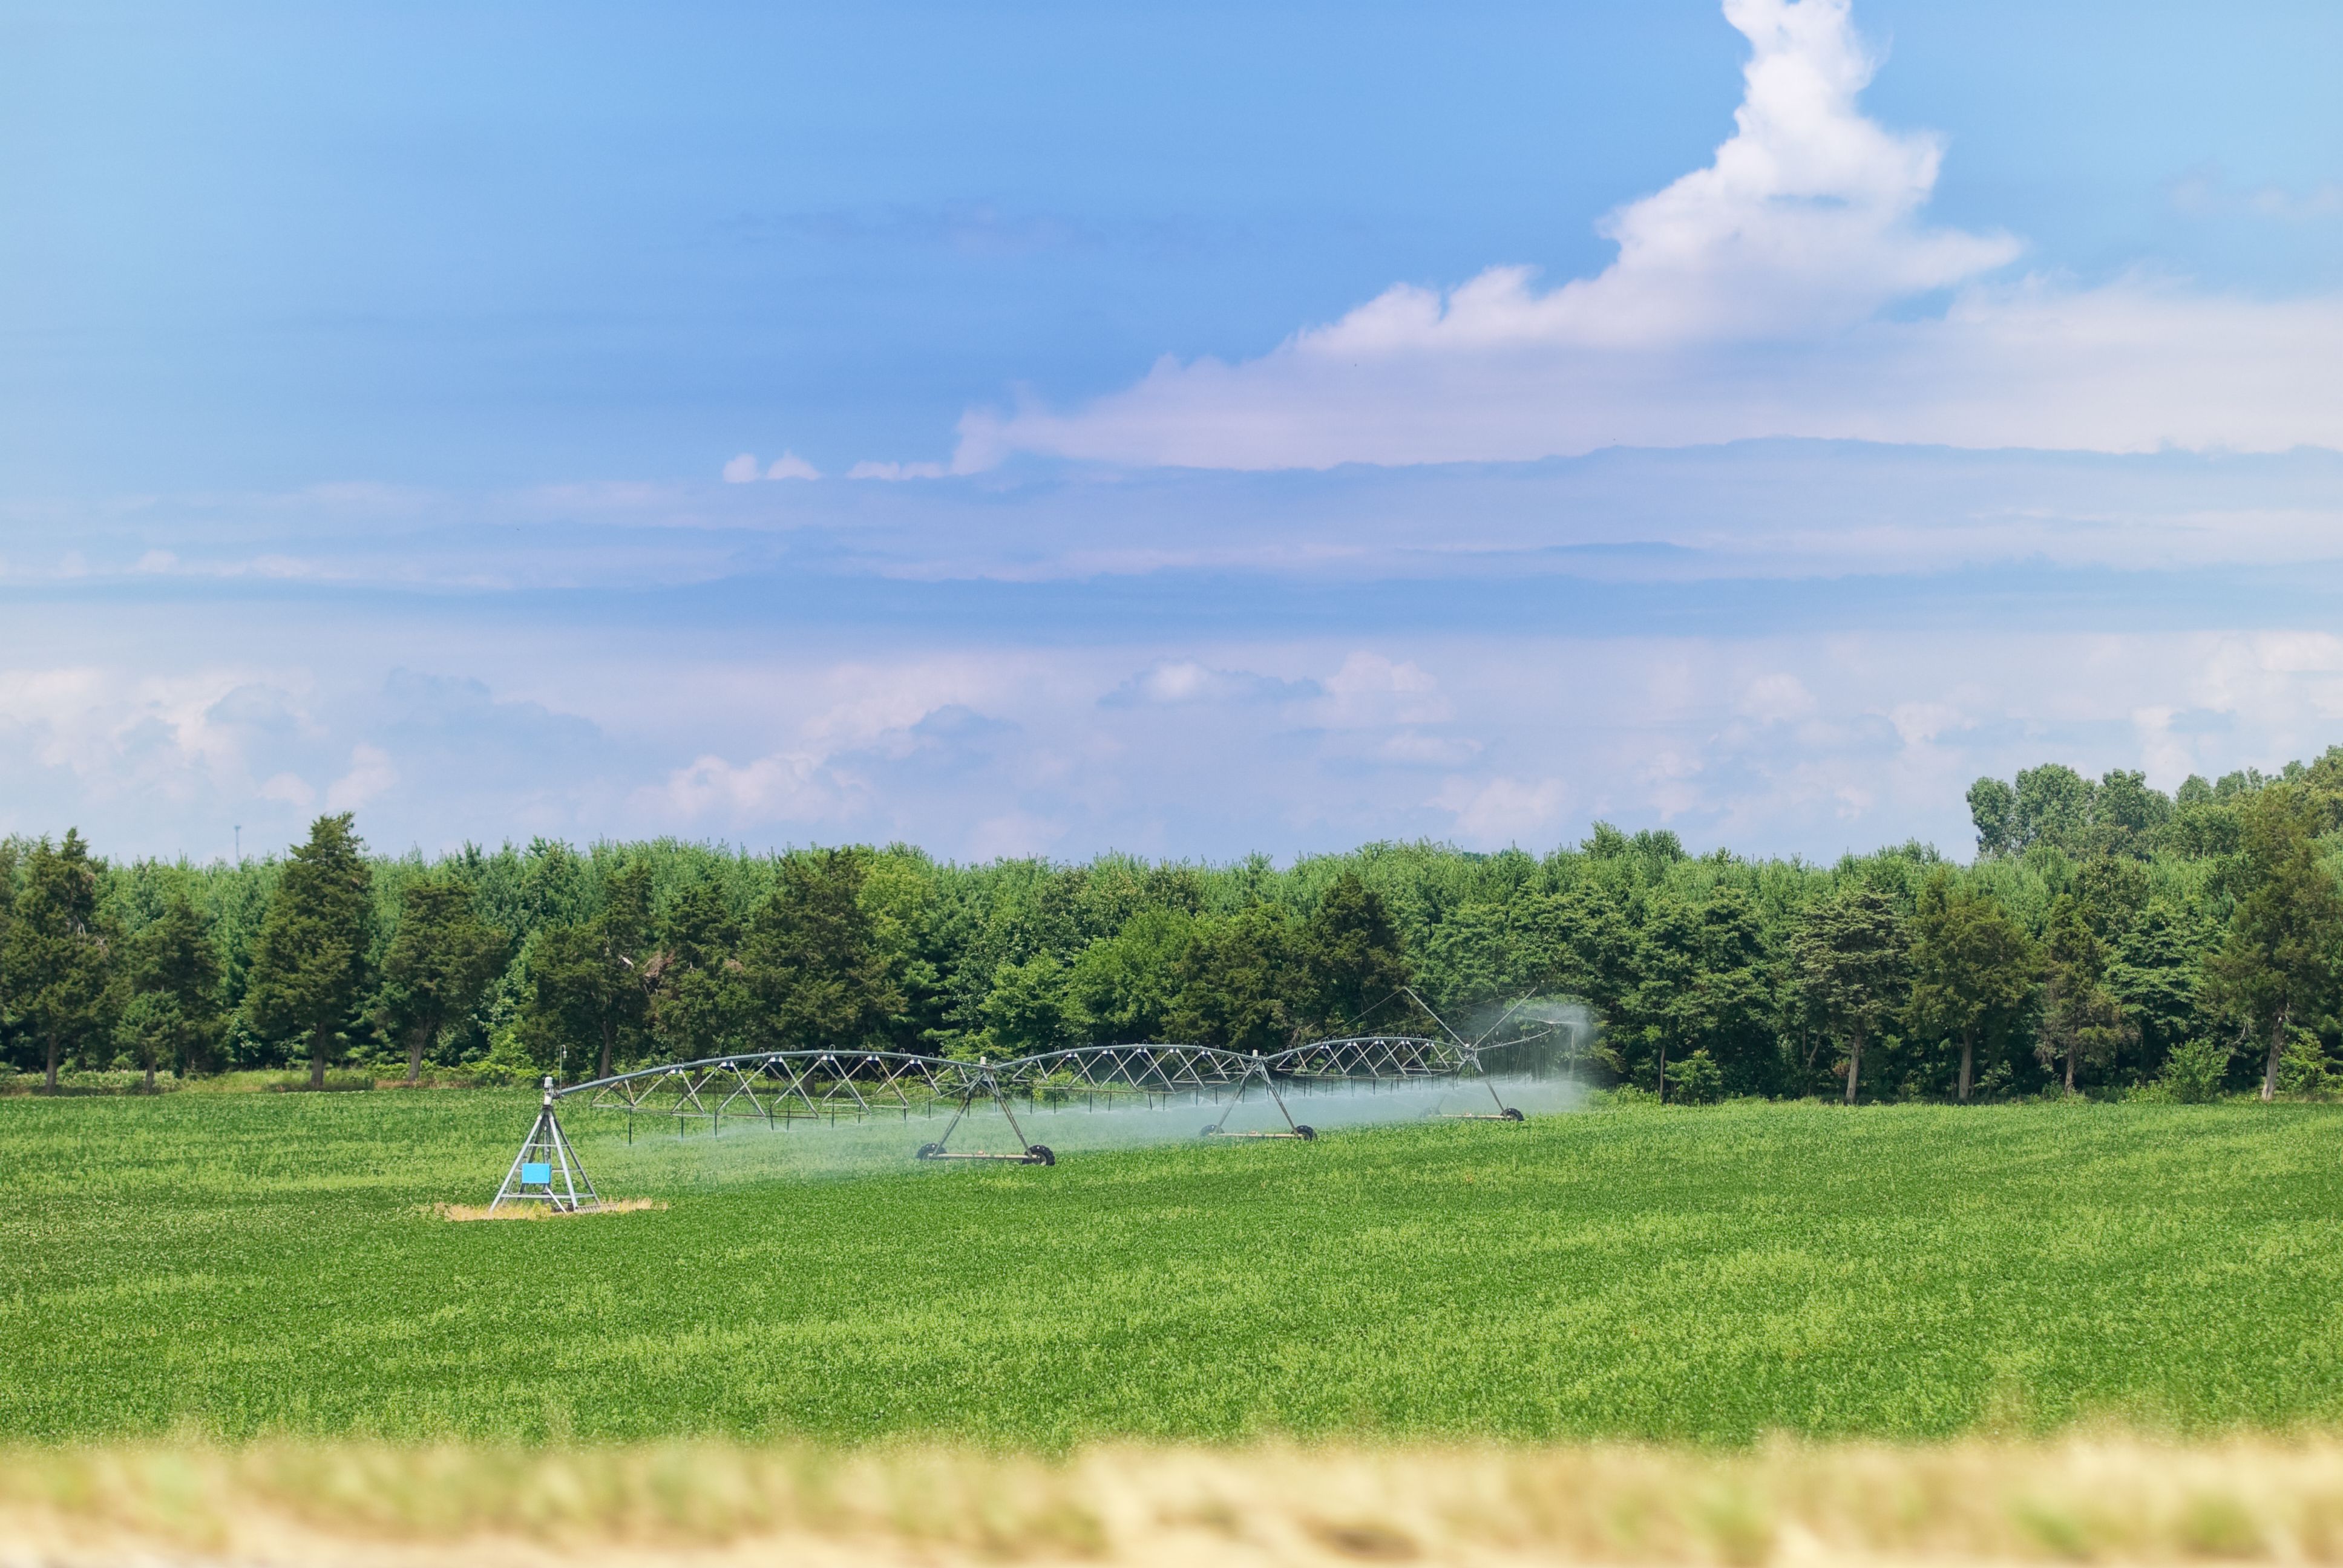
1307	1134
1212	1132
1040	1154
929	1151
1512	1114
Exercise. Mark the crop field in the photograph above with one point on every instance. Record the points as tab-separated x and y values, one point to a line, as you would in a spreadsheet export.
247	1266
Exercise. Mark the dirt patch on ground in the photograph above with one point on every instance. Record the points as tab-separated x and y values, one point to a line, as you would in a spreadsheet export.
535	1210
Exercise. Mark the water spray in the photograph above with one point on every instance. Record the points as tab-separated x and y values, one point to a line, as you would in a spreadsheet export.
1301	1130
984	1083
781	1087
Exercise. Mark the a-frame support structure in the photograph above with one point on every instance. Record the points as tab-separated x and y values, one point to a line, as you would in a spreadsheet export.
1260	1070
984	1081
546	1169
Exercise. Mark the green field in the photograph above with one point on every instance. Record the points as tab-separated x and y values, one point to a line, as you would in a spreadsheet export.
268	1263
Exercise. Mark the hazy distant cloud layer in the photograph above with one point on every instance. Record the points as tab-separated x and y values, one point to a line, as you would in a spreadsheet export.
1792	288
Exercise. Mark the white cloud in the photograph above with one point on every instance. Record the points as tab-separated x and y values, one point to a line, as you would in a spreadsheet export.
741	469
790	466
895	472
1776	698
1747	299
1371	691
291	789
1013	834
1502	810
784	787
370	774
1185	680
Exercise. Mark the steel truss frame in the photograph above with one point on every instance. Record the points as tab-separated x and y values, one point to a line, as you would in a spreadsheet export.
777	1087
546	1169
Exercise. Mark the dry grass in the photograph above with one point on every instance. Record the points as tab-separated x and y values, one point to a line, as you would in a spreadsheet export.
2095	1499
535	1210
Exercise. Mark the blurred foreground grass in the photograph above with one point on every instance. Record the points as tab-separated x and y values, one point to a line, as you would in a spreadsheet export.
2106	1499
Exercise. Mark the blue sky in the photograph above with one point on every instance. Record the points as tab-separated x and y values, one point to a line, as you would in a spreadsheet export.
1277	427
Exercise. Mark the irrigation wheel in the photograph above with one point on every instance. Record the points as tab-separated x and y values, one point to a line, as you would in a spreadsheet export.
1040	1154
1513	1113
1307	1134
929	1151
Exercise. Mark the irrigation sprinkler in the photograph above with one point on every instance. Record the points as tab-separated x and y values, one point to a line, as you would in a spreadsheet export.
779	1087
546	1169
982	1081
1260	1069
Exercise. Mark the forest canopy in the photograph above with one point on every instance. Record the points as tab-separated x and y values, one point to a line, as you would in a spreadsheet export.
2106	938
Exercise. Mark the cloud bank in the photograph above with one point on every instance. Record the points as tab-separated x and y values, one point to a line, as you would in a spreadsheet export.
1792	288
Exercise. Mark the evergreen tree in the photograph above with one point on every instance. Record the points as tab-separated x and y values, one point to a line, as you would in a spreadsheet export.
1972	969
2277	966
590	981
57	965
309	966
1351	958
172	1014
2082	1019
814	970
439	965
698	997
1237	980
1851	958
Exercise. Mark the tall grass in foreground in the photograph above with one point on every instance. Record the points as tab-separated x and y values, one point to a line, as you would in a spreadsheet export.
2104	1498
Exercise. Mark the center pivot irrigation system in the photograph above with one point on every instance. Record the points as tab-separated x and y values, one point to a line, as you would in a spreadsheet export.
777	1087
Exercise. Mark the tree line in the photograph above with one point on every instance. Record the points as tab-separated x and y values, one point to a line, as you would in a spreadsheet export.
2106	938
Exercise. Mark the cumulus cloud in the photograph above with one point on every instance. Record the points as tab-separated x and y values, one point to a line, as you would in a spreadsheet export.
895	472
1501	810
1780	291
1185	680
745	469
370	774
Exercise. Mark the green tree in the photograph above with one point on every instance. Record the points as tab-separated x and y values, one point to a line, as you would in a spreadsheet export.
1237	982
2157	970
698	998
812	964
440	963
1851	956
2082	1019
173	1012
1993	809
1353	962
1972	969
1032	1007
57	965
1125	984
590	981
2277	966
2054	807
309	967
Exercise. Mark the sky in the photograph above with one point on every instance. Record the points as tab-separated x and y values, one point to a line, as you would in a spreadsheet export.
1048	428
